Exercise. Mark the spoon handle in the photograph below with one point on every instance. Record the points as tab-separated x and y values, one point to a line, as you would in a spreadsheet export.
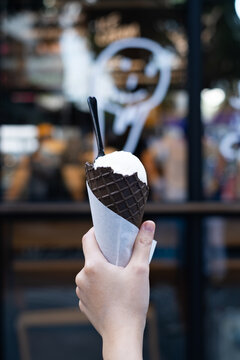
92	103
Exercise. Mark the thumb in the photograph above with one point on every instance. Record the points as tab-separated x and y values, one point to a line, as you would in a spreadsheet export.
143	242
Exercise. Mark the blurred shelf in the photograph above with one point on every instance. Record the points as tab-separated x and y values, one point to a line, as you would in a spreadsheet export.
178	209
201	208
35	273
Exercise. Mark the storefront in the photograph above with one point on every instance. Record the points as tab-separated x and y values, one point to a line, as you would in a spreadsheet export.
166	76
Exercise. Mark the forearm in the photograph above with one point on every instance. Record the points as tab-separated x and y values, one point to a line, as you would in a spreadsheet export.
123	345
119	313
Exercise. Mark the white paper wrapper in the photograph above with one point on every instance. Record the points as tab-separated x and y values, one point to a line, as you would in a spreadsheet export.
115	235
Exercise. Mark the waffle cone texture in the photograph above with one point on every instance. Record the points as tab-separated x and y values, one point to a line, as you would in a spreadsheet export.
125	195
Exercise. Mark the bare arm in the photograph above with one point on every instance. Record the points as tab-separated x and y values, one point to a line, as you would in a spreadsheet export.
116	299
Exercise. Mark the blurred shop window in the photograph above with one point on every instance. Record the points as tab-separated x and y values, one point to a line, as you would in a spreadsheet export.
131	57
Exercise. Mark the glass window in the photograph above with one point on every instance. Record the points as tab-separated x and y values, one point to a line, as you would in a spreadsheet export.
132	57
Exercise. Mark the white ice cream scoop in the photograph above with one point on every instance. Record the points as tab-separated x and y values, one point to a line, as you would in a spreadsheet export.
122	162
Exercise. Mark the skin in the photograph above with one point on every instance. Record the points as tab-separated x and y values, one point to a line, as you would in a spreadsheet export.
116	299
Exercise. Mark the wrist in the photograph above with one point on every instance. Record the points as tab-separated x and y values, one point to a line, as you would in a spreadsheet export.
123	342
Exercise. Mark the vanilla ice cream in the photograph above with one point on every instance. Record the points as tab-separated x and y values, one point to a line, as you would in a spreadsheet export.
122	162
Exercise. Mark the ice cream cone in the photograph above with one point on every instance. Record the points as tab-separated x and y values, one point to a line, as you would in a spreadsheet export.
125	195
117	190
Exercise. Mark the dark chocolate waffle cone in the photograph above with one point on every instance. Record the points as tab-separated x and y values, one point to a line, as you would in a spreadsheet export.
125	195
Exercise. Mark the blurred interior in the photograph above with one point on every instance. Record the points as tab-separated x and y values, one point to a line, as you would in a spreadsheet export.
134	57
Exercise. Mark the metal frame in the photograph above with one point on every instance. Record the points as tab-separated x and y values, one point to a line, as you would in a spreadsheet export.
194	239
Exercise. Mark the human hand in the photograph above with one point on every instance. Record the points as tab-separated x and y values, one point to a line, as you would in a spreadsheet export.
116	299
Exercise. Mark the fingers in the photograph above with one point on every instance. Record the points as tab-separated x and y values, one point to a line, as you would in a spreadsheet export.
78	292
82	306
142	245
78	278
90	246
81	303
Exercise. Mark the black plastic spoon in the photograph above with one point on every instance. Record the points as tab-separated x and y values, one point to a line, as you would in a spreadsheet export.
92	103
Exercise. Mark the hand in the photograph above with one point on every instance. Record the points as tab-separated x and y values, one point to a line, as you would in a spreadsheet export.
116	299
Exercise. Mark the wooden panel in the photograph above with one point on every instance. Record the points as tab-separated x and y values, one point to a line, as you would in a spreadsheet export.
36	273
48	234
47	266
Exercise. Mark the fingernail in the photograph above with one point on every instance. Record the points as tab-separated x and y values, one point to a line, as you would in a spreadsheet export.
149	226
